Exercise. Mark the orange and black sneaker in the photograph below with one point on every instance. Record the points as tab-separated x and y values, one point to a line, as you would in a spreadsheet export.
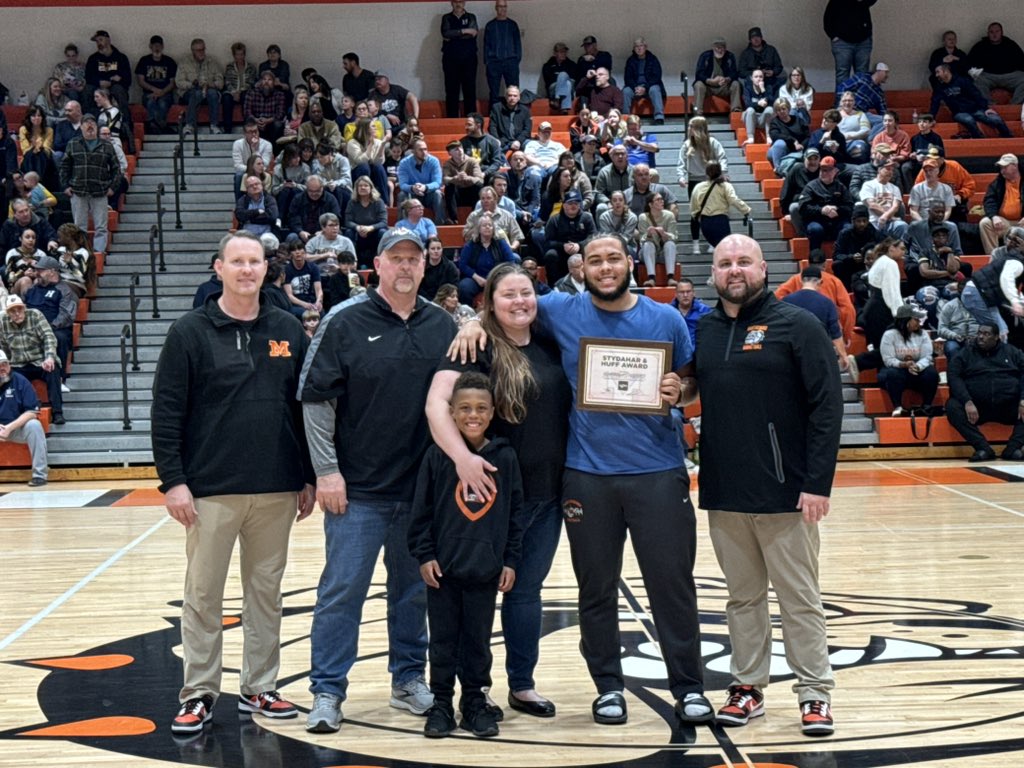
268	703
744	702
816	718
193	715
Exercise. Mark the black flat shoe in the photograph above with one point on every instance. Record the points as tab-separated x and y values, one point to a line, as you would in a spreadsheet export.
535	708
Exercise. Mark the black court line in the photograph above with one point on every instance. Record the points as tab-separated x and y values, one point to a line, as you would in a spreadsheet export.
993	472
109	498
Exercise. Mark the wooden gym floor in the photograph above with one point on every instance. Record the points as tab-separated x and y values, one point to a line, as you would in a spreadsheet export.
918	570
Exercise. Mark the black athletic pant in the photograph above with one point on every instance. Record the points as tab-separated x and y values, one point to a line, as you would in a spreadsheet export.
461	617
1004	412
655	509
459	75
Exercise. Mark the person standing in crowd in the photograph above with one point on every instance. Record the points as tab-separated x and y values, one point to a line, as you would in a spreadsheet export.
232	460
765	528
848	26
459	58
503	51
90	174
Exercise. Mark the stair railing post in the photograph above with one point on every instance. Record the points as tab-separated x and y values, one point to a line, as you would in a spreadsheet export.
126	331
133	305
177	186
181	155
160	223
687	111
152	268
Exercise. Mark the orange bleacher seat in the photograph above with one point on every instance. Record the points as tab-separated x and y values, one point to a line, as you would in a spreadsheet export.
451	236
771	187
763	169
898	431
876	400
17	454
755	152
660	275
663	295
716	105
82	314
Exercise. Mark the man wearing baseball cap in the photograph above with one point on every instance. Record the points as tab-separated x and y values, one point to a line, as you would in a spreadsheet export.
717	74
155	75
31	347
108	68
592	59
362	389
19	419
825	204
564	235
1003	205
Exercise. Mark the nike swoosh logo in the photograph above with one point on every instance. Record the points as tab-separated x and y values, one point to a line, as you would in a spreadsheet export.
372	338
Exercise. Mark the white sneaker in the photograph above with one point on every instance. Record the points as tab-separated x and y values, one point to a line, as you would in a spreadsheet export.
325	716
696	247
414	696
897	412
189	130
854	369
215	129
64	388
711	248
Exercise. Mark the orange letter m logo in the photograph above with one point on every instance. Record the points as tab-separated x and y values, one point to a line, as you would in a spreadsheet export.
279	349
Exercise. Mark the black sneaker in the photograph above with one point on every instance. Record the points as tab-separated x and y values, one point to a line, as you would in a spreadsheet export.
36	482
480	722
440	722
193	715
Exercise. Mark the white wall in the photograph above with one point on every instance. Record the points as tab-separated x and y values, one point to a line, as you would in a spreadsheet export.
405	38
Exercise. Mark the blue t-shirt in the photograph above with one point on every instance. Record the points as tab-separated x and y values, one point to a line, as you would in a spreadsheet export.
819	306
16	398
614	443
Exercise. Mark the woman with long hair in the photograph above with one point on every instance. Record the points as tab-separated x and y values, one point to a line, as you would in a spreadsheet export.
320	90
613	128
75	264
799	93
297	114
657	230
532	401
36	140
787	133
447	298
907	359
289	178
366	154
884	299
255	166
479	256
440	270
699	149
109	116
582	125
20	262
53	101
710	205
366	217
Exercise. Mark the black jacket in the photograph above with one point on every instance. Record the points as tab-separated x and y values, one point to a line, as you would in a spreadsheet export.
560	229
992	377
471	541
508	125
773	408
849	20
225	418
994	196
816	195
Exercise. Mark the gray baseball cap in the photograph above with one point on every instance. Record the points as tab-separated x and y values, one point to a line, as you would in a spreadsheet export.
398	235
47	262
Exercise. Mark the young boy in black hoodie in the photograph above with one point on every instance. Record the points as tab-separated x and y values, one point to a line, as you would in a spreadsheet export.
468	550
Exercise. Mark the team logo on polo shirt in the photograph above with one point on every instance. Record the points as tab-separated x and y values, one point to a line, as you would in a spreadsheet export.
755	337
279	348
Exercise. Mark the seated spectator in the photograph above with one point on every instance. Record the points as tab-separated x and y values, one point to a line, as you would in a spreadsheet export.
998	283
273	283
717	74
200	80
346	114
657	231
865	172
71	73
957	178
256	211
758	55
155	75
308	207
447	298
108	68
640	147
642	188
297	114
868	94
58	303
931	189
542	153
66	130
366	218
290	175
1001	64
20	263
825	205
321	92
937	268
21	219
366	156
613	129
1002	204
510	122
28	341
302	281
829	140
462	178
504	202
984	387
523	189
239	78
811	298
341	280
799	93
788	135
255	166
329	242
829	286
336	172
482	147
601	95
397	104
581	126
357	82
440	270
592	59
856	127
74	258
618	219
564	235
709	205
642	79
214	286
250	144
31	188
265	104
479	256
391	161
918	236
907	360
573	283
278	68
559	74
419	176
758	98
318	129
884	202
923	144
19	419
413	218
853	244
690	307
532	267
409	133
53	101
589	160
897	139
965	103
956	325
506	222
798	177
35	138
950	55
310	322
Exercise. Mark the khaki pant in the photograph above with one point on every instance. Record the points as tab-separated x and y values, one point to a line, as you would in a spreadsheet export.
991	237
261	523
733	91
751	550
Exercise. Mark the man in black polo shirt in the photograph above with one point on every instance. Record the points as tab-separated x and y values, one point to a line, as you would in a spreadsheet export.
362	389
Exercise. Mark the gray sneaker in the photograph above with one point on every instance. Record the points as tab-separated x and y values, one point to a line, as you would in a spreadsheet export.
325	716
413	695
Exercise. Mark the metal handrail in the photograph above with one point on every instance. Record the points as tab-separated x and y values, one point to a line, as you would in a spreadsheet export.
178	162
133	305
126	333
749	224
687	112
152	268
160	223
195	141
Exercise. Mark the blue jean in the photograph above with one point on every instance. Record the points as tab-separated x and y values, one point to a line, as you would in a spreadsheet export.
970	121
877	124
156	109
974	303
193	99
654	93
353	542
850	55
858	150
507	69
776	152
563	90
823	229
521	609
950	347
